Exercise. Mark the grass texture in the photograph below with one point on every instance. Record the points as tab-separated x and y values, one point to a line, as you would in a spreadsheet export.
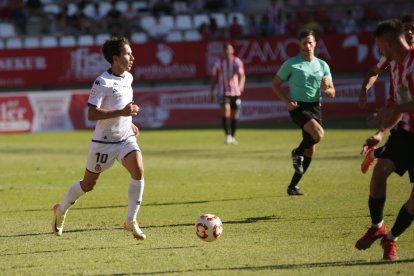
189	173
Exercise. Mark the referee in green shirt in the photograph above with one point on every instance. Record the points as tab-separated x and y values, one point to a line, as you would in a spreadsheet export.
309	77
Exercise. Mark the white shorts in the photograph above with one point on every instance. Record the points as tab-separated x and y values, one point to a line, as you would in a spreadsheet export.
102	156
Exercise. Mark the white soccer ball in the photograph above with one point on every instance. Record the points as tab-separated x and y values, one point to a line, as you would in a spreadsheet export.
208	227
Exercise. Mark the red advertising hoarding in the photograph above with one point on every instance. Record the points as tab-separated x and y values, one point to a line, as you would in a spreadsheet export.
171	107
177	61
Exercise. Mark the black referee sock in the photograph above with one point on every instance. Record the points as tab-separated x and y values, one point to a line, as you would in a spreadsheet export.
297	177
376	209
403	221
304	144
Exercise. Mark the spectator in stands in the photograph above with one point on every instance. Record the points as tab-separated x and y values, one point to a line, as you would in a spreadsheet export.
204	31
62	22
161	6
235	6
131	20
214	5
275	12
180	6
235	29
79	21
348	24
313	25
265	29
252	27
19	16
159	31
292	25
34	7
96	20
6	12
113	20
215	32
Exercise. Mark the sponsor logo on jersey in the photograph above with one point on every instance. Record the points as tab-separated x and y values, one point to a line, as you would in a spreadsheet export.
98	168
93	93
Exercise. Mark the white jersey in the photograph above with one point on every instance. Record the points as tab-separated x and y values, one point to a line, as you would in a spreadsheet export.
113	93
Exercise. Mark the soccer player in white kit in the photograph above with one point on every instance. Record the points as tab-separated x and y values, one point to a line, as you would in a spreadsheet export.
111	106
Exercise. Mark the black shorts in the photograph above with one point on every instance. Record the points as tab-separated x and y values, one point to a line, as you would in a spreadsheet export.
399	148
306	112
234	102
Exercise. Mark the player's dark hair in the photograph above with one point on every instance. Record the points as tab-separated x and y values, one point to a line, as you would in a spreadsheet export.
113	47
407	18
306	33
392	27
226	44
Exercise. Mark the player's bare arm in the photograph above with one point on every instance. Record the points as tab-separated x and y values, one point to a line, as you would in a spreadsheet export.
276	87
95	113
368	82
328	88
389	123
242	82
213	84
135	129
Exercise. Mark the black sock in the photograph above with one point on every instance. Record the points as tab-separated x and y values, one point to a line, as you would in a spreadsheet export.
304	144
297	177
233	127
376	209
226	125
402	222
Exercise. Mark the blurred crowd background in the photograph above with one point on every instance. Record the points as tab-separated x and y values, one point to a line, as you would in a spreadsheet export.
48	23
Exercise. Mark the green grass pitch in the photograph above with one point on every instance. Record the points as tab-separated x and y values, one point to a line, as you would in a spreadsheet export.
188	173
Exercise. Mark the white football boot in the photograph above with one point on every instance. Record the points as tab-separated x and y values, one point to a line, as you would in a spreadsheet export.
133	227
58	220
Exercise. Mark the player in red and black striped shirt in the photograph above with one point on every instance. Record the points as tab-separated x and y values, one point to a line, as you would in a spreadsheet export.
229	78
398	152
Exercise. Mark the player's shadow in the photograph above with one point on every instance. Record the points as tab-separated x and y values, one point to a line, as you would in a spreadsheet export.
149	204
281	267
247	220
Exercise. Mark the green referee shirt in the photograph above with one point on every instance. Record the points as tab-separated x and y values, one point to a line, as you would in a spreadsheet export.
304	78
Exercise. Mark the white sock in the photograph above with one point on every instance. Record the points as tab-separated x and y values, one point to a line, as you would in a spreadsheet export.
135	192
379	224
72	195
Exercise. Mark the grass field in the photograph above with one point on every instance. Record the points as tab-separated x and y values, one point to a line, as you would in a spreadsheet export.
188	173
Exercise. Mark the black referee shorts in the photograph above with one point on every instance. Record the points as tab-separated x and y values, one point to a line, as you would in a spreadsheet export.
306	112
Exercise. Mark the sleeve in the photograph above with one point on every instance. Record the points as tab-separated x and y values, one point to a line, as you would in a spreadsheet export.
390	100
97	93
284	71
240	66
383	63
327	71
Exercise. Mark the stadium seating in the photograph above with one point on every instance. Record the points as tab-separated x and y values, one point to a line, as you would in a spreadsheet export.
139	37
101	38
86	40
183	22
14	43
49	42
67	41
7	30
174	36
31	42
192	35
